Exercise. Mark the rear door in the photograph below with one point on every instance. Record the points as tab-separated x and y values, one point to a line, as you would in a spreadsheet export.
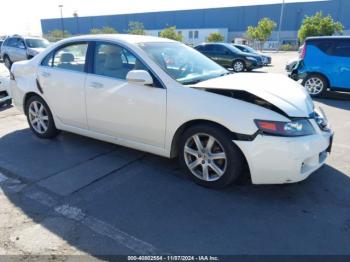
61	77
340	63
223	55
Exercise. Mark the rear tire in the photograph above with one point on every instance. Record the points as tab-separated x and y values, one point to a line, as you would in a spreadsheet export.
40	118
316	85
210	157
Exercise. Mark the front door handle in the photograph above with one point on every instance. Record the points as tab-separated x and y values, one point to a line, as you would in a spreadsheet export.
96	85
45	74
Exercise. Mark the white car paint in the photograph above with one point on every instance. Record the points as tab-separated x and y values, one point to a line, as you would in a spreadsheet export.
147	118
4	86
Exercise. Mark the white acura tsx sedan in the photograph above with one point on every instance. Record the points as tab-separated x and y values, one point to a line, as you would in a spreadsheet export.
163	97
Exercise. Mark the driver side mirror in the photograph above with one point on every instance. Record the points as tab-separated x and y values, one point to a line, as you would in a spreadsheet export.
140	77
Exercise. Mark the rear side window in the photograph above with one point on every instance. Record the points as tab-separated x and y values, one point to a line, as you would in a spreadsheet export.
71	57
324	45
341	48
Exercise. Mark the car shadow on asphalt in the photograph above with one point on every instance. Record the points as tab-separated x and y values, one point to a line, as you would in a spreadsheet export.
149	199
3	108
336	99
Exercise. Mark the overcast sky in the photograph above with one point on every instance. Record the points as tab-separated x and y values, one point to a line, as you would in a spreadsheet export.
23	16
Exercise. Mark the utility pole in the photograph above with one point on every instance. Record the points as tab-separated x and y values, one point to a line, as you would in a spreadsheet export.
62	23
75	14
280	26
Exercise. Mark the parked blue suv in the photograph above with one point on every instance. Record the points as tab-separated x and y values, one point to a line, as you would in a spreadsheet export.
324	64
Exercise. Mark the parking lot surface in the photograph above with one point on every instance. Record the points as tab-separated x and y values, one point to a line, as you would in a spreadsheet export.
75	195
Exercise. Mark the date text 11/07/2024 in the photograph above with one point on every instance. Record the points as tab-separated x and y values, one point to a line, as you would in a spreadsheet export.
173	258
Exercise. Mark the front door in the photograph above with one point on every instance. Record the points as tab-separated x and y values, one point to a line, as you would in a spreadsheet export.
121	109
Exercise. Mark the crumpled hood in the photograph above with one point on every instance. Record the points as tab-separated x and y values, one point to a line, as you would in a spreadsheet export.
277	89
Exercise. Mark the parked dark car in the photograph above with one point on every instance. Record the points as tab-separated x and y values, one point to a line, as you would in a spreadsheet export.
324	64
229	56
267	60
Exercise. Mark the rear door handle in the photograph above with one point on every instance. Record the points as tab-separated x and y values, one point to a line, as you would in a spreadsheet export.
45	74
96	85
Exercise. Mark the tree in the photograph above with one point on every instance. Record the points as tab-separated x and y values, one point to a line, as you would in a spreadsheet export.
103	30
136	28
216	37
319	25
171	33
262	31
56	35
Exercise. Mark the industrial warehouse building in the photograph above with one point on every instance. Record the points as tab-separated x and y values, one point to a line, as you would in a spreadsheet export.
196	25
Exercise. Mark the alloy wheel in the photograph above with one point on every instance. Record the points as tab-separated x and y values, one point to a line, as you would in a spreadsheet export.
314	85
238	66
38	117
205	157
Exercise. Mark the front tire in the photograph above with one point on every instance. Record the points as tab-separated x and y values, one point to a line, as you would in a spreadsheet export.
210	157
316	85
238	66
40	118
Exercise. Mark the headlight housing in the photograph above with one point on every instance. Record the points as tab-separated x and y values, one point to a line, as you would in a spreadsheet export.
252	59
295	128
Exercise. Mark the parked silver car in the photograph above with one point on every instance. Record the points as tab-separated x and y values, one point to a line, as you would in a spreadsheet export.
17	48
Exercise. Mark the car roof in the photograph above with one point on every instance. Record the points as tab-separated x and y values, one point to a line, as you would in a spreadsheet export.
133	39
213	43
327	37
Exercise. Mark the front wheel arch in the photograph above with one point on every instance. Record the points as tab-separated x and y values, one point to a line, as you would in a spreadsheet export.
174	152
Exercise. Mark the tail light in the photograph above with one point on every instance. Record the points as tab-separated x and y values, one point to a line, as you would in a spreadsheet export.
303	52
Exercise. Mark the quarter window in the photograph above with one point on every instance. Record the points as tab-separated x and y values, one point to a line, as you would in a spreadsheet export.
71	57
114	61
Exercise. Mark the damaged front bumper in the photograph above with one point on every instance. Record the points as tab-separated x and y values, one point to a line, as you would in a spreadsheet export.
281	160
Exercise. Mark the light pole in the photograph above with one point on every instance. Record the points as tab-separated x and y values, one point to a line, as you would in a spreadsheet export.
75	14
62	23
280	26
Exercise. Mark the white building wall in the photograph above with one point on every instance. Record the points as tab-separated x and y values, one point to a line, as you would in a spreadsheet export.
195	36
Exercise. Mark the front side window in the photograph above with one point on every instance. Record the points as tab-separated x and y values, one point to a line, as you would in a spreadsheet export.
71	57
183	63
114	61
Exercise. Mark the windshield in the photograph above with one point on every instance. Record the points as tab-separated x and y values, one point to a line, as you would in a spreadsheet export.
37	43
183	63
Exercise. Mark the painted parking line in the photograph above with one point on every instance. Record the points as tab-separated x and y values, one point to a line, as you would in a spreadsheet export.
102	228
